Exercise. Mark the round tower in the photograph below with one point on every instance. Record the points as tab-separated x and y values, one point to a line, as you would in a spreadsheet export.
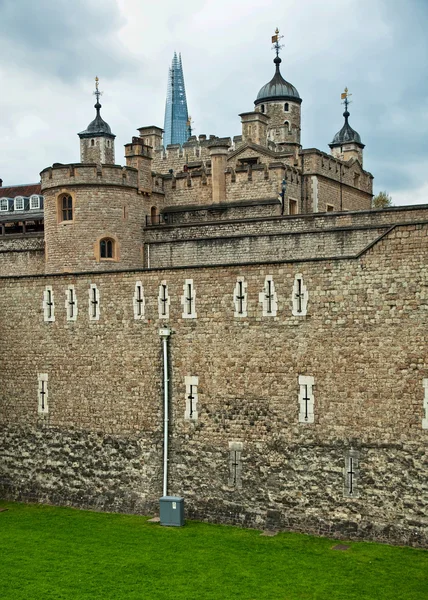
97	141
95	210
280	101
347	143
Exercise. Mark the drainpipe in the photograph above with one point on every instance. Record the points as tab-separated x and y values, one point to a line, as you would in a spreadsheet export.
164	333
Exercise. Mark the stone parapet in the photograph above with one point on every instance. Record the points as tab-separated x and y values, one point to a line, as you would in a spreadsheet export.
88	174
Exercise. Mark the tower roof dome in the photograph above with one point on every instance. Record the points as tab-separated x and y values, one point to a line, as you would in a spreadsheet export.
98	126
346	135
278	88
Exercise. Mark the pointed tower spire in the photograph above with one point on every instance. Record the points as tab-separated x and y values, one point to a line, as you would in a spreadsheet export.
97	141
176	129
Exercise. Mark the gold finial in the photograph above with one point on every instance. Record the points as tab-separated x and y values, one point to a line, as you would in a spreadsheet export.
96	82
277	31
345	97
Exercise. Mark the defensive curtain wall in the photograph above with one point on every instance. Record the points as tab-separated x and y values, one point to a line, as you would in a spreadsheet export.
298	390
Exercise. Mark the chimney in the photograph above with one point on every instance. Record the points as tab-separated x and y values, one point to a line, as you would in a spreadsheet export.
1	182
218	152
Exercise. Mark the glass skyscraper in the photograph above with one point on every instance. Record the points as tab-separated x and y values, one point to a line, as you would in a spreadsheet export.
176	124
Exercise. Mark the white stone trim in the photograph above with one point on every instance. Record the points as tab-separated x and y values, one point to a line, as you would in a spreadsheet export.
299	287
314	184
139	301
240	290
264	300
94	303
42	386
188	300
34	202
306	399
163	307
71	303
48	305
425	419
191	412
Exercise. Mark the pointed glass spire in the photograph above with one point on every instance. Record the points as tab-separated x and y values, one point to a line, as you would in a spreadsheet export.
176	124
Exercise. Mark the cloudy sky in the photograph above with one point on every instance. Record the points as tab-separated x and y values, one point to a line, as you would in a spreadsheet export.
51	50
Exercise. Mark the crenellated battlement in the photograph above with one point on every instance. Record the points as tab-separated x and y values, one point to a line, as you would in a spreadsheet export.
60	175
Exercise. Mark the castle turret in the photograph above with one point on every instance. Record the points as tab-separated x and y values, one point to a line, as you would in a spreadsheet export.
280	101
347	143
97	141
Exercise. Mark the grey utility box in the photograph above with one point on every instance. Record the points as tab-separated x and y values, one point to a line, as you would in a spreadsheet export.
171	511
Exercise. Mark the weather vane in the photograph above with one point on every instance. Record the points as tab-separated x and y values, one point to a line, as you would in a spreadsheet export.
97	92
275	41
344	96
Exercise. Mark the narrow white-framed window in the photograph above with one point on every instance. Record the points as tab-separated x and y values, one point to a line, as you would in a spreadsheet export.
94	303
163	301
191	412
425	418
48	305
240	297
268	298
235	464
34	202
4	204
71	303
300	297
42	393
351	473
18	203
188	300
139	301
306	399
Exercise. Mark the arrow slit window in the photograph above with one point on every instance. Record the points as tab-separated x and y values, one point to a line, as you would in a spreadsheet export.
351	473
268	298
300	297
71	303
240	298
163	301
42	393
139	302
191	412
306	399
235	464
48	305
188	300
94	303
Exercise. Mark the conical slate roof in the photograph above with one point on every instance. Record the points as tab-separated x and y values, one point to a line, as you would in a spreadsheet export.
277	88
346	135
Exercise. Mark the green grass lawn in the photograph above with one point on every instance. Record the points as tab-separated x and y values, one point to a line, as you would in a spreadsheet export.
61	553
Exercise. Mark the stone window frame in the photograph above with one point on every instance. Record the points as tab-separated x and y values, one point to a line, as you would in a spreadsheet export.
4	202
115	248
139	307
94	315
236	293
286	107
287	125
21	201
59	206
71	303
294	297
189	286
34	198
191	411
329	207
48	305
163	305
425	404
306	402
263	300
42	399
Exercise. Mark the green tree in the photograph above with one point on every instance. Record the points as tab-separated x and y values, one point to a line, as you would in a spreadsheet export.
382	200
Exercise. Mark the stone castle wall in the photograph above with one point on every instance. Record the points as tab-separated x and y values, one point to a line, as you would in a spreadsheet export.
22	254
363	341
